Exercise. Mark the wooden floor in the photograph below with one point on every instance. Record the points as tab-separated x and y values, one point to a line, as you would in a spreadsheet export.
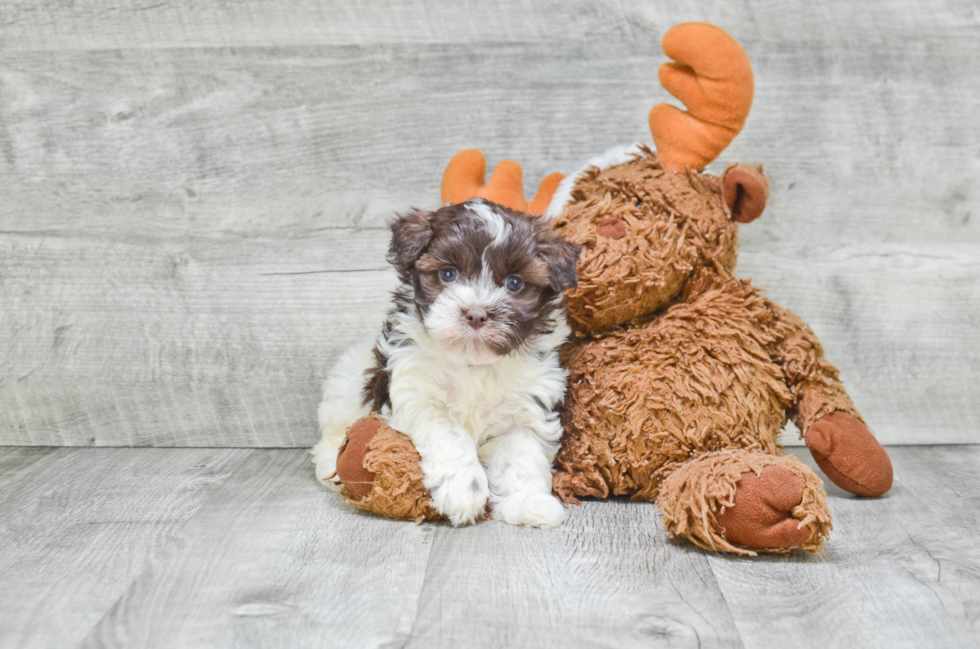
240	547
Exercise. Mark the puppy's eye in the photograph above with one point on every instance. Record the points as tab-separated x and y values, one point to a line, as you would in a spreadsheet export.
514	283
448	275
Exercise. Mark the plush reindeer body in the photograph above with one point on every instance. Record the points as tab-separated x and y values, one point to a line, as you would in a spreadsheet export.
682	375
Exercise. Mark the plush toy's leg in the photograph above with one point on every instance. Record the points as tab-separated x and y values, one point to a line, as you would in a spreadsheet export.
842	445
381	473
744	502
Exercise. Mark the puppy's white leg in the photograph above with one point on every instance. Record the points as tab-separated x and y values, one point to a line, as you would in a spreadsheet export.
342	405
451	468
518	463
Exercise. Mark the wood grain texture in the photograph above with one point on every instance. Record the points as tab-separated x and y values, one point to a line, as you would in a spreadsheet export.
162	547
869	142
18	461
946	481
124	24
81	524
608	577
901	322
200	341
83	24
159	157
209	341
275	560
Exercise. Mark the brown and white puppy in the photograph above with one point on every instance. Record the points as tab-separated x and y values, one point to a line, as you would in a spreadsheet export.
467	363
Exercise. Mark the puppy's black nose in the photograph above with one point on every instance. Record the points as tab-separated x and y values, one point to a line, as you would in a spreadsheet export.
476	317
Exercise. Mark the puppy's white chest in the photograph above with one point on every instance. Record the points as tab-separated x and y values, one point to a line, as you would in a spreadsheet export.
479	399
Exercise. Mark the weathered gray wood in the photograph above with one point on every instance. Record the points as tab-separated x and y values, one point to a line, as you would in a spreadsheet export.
893	574
135	296
275	560
150	170
181	341
900	321
81	524
161	547
18	461
946	481
323	136
128	24
607	578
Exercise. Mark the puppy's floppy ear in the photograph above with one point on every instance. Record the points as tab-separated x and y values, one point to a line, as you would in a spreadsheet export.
410	235
562	259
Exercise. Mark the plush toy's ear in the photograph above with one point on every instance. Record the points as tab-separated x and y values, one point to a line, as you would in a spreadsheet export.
745	189
410	235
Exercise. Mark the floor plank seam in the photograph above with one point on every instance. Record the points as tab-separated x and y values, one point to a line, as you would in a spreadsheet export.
425	579
148	560
724	596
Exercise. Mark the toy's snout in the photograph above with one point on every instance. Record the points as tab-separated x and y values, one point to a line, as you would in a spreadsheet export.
611	228
745	189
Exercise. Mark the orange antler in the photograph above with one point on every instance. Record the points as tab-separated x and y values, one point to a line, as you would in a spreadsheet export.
465	173
712	77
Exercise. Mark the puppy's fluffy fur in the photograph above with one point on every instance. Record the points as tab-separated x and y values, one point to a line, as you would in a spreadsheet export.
466	364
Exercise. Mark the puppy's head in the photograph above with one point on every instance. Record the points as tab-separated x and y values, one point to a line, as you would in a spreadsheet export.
486	278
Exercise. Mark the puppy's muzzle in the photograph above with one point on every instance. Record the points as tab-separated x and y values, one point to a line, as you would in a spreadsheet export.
476	318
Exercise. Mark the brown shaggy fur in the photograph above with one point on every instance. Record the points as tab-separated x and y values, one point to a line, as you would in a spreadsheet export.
683	375
674	224
645	399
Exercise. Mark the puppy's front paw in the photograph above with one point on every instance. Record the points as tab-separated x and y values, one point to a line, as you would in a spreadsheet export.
325	458
533	509
462	496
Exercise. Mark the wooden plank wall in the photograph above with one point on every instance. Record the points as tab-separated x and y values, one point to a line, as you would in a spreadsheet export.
194	194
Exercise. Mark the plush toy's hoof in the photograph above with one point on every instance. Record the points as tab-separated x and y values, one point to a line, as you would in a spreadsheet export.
746	502
762	517
350	458
849	454
381	472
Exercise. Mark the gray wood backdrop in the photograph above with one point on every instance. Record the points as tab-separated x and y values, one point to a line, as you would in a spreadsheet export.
194	195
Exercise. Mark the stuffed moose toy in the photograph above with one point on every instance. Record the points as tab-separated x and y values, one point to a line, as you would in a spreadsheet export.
681	375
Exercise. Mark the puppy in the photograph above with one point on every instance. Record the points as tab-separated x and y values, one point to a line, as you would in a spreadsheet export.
466	363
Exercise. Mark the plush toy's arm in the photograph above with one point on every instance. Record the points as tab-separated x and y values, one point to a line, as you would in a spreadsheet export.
813	380
834	431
